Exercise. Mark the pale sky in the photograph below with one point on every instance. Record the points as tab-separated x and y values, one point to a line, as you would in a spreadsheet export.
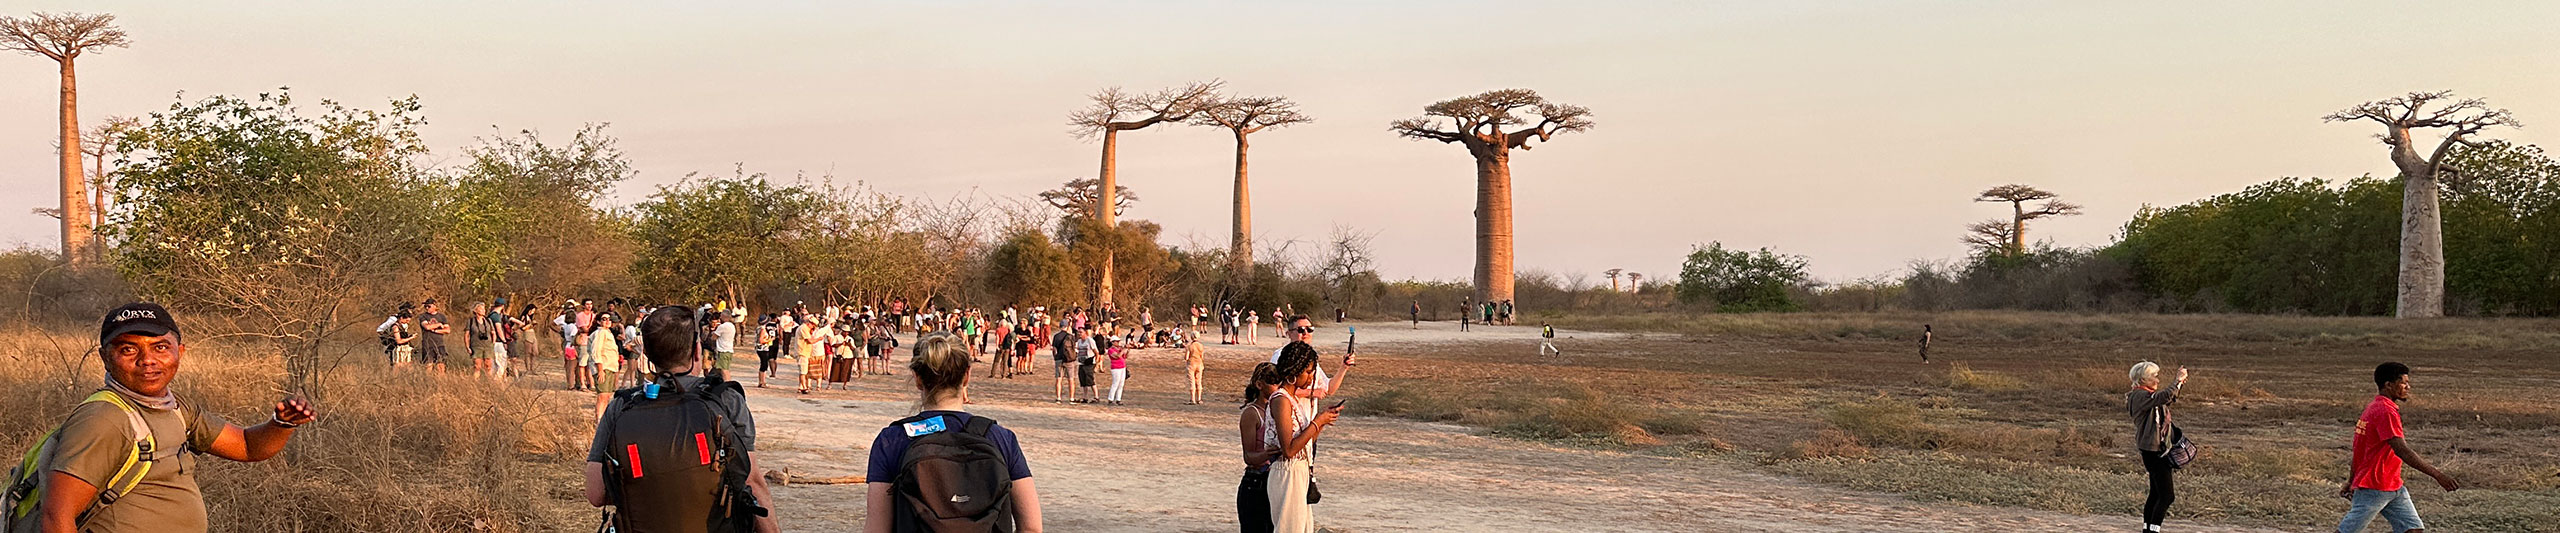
1854	133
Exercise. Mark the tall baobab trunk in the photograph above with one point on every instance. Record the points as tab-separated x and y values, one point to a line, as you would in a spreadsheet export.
1493	222
75	189
2421	233
1105	210
2017	229
1240	243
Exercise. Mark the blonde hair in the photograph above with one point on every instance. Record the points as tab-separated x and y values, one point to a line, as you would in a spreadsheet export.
941	365
2143	371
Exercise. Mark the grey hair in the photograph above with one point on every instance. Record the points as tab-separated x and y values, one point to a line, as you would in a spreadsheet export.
2143	371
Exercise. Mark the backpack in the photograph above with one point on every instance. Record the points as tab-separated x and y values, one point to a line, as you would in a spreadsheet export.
671	464
951	480
20	501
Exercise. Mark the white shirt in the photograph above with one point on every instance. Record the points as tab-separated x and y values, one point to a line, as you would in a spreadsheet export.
725	337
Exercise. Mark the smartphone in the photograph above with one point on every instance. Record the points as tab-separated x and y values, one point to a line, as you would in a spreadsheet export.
1338	405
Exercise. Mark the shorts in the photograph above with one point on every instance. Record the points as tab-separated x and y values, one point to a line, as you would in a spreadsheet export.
569	354
2393	505
1062	369
483	350
431	354
403	354
1084	375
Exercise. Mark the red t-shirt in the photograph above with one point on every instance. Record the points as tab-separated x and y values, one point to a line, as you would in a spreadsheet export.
2376	466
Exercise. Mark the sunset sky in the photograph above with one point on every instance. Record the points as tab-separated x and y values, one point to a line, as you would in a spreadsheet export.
1854	133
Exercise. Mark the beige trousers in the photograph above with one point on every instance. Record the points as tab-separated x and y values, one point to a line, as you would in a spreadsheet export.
1288	487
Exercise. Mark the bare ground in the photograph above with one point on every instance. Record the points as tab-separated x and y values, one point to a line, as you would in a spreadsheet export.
1157	465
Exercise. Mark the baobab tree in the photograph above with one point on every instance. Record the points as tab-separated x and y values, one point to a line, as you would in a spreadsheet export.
1991	238
2421	221
1078	198
2017	196
1490	125
62	37
98	143
1113	112
1635	282
1613	278
1243	117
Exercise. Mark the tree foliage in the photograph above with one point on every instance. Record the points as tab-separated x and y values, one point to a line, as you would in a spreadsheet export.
292	222
708	237
1736	281
520	216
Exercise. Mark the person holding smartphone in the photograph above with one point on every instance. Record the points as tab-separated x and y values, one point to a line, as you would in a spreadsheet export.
1296	422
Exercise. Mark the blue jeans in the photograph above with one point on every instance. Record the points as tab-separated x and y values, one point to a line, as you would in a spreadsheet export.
2394	506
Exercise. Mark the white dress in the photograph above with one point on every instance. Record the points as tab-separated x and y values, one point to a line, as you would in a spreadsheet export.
1290	475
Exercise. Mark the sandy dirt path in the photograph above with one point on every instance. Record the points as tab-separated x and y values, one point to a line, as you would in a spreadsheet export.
1156	465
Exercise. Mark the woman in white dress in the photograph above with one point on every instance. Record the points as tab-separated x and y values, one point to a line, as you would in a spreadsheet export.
1295	418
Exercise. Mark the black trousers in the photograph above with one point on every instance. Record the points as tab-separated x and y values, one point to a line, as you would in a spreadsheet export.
1253	502
2163	490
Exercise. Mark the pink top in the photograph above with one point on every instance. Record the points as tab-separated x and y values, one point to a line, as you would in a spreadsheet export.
1119	361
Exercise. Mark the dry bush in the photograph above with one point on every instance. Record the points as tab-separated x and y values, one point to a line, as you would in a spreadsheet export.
2150	329
407	452
1963	377
1886	421
1829	443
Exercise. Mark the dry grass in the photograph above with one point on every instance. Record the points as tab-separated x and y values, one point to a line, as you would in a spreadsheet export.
406	452
2027	409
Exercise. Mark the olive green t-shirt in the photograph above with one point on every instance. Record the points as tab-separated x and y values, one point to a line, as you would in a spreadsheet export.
94	442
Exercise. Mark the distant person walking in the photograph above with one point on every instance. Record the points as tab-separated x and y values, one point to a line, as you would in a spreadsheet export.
1297	423
2373	476
1925	337
1261	446
980	480
1192	353
1417	314
1253	327
2154	436
1547	339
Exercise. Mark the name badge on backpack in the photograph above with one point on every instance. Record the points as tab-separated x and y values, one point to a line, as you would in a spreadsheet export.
927	426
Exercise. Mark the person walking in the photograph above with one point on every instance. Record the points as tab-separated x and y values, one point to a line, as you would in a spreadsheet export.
1192	353
1926	337
567	325
1547	340
941	426
2378	450
1261	446
1417	314
1466	314
2154	436
1061	352
653	452
82	469
1296	423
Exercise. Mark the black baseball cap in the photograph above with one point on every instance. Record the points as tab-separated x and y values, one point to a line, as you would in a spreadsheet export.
139	318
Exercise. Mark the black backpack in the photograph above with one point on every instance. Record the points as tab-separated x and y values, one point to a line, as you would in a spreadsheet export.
671	464
952	480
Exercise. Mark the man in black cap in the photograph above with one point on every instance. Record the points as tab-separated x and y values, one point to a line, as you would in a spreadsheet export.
135	420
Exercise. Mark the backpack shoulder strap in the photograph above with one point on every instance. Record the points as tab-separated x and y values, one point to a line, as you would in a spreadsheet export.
979	425
138	459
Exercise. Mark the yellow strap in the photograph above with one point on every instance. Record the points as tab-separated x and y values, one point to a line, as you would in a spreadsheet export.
144	445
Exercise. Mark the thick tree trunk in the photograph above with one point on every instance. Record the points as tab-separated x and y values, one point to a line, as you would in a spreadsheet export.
1106	211
1240	243
2421	247
2017	229
2421	232
1493	223
75	191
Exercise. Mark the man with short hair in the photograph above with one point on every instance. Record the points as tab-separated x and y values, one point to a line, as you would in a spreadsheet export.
1061	351
724	339
2373	473
1300	329
82	485
671	336
433	328
1547	339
